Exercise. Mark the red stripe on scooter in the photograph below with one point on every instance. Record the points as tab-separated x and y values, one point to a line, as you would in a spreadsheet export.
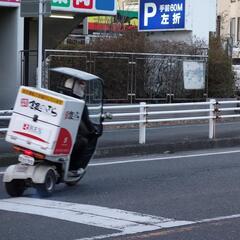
30	136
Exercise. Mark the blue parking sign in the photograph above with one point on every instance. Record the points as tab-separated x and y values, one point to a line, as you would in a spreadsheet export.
160	15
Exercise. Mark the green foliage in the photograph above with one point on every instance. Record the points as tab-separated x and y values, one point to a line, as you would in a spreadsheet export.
220	74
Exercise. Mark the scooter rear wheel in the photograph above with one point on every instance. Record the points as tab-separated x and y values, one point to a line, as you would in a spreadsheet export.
46	189
15	188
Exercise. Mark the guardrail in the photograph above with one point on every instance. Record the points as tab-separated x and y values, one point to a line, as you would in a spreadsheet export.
144	114
5	115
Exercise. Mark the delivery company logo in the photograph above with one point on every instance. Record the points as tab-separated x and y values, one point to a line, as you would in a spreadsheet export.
70	115
25	126
45	109
36	106
24	102
83	4
32	129
64	142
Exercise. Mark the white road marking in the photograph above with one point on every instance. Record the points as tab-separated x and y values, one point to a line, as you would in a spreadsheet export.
160	158
166	226
164	158
125	222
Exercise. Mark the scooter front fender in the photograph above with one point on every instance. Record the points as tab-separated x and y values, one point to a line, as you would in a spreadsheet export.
40	173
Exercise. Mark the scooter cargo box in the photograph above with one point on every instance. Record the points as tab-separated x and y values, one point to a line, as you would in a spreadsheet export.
45	121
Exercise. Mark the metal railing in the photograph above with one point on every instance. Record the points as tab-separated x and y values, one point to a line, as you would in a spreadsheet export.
149	113
128	77
143	114
5	115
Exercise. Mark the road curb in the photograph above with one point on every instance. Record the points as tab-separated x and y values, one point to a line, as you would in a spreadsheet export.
141	149
149	148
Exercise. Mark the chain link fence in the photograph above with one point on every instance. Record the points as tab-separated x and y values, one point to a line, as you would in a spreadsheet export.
129	77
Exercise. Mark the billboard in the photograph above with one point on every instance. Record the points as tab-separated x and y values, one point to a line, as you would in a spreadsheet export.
162	15
107	7
111	23
9	3
101	7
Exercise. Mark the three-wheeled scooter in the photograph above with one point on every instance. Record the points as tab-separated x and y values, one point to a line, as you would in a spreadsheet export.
44	128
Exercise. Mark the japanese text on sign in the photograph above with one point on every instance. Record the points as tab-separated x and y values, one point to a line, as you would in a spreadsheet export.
108	7
161	14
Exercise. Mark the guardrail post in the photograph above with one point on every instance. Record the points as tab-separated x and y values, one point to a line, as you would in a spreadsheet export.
142	124
212	120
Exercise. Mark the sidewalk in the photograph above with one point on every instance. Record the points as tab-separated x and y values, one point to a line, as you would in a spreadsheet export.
164	139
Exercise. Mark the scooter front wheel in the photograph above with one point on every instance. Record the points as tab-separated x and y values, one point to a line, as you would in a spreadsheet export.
46	189
15	188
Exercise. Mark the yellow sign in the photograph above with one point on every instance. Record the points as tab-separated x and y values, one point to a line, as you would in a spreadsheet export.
42	96
101	19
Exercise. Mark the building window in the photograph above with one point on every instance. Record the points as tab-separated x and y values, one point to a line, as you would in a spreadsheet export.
233	29
238	29
218	26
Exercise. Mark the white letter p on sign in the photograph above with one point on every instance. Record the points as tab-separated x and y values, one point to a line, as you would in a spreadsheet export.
149	14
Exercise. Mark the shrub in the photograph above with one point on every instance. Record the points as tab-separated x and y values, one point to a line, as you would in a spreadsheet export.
220	74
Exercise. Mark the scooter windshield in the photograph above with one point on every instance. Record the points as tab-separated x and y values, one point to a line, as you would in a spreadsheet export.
92	93
93	98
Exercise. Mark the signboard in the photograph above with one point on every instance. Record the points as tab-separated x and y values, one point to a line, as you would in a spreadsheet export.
194	75
107	7
9	3
108	23
161	15
30	8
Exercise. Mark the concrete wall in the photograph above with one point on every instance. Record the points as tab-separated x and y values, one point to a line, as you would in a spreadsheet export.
11	42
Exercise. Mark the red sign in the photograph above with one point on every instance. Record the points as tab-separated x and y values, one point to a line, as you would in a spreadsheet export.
83	4
64	142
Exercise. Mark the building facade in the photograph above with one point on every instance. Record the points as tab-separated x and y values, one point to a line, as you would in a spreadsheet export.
20	34
11	42
228	19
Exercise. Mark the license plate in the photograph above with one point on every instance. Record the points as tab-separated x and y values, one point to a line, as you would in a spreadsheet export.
20	168
24	159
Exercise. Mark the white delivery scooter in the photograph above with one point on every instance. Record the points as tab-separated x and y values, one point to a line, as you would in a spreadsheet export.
43	129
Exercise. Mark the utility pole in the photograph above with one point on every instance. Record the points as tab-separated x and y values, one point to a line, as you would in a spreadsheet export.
39	9
40	42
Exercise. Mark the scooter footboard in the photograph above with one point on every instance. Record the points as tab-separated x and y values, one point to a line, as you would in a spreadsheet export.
36	173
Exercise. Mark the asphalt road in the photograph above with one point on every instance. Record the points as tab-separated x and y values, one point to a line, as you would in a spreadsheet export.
194	195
